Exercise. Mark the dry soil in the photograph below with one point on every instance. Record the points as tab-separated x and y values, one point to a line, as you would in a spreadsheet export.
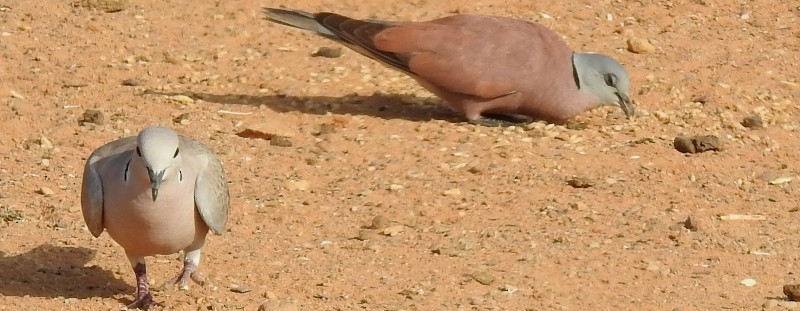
387	200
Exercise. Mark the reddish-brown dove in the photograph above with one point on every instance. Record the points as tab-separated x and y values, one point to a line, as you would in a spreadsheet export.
481	65
155	193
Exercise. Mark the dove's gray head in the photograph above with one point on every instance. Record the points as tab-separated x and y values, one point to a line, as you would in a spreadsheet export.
605	78
157	150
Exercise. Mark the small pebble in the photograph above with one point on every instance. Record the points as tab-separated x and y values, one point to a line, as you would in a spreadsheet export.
183	99
45	191
575	125
45	143
707	143
280	141
327	128
366	235
379	222
108	6
92	116
684	144
300	185
131	82
451	192
327	52
700	98
640	46
697	144
395	187
749	282
780	180
753	122
240	289
74	84
508	289
393	230
483	277
792	291
580	182
691	223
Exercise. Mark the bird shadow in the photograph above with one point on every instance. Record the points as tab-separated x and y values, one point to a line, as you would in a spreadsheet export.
57	271
379	105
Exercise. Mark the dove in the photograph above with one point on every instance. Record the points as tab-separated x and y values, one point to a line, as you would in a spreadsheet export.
155	193
489	68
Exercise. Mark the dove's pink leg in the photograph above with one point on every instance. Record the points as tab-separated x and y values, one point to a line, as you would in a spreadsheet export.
143	297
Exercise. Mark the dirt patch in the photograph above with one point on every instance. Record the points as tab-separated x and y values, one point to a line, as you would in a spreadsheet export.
383	198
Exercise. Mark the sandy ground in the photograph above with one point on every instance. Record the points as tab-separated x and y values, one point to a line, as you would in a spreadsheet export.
387	200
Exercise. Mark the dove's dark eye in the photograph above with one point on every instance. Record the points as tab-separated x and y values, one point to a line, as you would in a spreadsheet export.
138	152
611	79
177	150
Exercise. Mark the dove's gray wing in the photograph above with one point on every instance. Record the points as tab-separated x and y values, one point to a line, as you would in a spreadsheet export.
211	195
103	158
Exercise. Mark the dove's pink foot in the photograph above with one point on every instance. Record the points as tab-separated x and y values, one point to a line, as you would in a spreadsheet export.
189	272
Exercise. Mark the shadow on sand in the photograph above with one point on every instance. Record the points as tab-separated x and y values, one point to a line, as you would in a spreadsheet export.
57	271
385	106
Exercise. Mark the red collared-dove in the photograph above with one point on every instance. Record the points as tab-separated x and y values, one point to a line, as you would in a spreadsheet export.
155	193
481	65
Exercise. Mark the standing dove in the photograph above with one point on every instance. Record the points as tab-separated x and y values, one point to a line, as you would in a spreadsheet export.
155	193
483	66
